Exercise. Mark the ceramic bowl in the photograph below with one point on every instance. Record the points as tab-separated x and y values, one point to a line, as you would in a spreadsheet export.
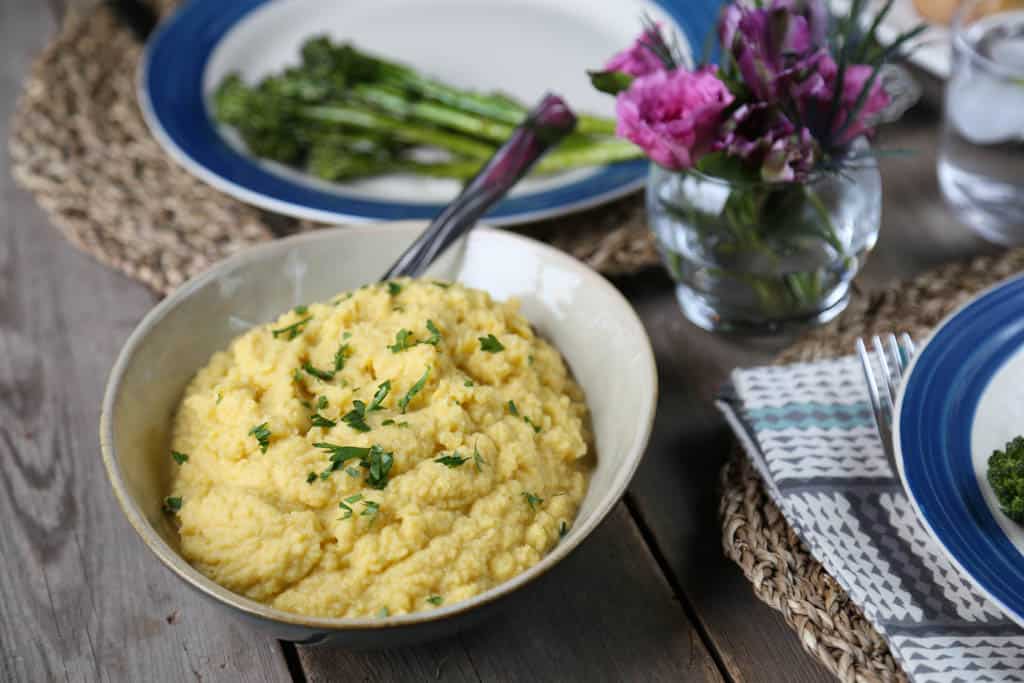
586	318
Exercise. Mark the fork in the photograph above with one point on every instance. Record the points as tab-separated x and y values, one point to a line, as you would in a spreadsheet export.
883	400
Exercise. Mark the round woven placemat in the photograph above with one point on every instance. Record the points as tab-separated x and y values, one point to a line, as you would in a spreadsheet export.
757	537
79	144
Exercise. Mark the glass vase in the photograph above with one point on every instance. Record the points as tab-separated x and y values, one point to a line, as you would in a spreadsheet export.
765	257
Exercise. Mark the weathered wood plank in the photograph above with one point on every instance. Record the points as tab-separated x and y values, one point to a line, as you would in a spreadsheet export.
82	599
606	614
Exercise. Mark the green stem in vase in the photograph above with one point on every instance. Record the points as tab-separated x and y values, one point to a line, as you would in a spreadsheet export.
828	233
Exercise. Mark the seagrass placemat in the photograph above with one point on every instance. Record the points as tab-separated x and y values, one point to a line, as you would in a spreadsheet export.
79	144
756	535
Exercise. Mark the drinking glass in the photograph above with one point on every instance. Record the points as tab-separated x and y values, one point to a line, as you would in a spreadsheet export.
981	158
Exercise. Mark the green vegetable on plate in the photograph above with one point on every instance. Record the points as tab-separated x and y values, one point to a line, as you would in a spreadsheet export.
1006	476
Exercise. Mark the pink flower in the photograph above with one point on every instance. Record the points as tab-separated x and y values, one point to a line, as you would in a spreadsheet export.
674	116
854	80
641	58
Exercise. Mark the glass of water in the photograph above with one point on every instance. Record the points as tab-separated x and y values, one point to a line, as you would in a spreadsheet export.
981	160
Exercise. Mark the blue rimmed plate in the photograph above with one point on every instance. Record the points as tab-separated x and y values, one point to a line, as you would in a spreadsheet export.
522	47
964	398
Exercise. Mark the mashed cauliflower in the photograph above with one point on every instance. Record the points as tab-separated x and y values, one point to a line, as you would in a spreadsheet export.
404	446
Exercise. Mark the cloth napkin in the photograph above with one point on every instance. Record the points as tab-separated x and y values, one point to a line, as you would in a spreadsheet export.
809	431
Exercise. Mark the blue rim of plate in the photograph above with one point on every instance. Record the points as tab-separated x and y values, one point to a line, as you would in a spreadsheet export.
170	94
935	414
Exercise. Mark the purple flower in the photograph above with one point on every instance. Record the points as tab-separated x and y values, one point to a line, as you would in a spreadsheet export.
768	141
854	80
641	58
674	116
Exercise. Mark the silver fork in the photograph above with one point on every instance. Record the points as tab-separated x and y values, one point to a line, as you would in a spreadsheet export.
883	401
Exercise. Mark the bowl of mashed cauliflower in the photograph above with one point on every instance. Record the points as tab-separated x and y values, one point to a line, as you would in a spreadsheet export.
376	463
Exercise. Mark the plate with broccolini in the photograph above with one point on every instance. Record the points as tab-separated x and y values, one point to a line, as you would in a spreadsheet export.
382	109
959	426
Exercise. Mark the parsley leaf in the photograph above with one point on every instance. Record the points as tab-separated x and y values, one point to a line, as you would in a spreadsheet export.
311	477
379	463
394	288
344	505
563	529
172	504
319	420
292	331
301	310
370	510
297	376
536	428
179	458
403	341
339	357
435	599
453	460
321	403
319	374
356	418
435	334
416	388
512	408
490	344
468	383
339	455
383	613
387	422
352	472
532	499
382	393
478	459
262	434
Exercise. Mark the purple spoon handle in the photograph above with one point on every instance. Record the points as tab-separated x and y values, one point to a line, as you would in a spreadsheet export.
546	125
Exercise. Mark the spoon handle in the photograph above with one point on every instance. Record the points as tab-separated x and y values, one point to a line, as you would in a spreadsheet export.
546	125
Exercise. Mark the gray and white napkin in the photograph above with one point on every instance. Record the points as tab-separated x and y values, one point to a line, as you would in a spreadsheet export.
809	431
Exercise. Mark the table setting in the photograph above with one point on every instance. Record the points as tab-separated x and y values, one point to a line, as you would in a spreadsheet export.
504	340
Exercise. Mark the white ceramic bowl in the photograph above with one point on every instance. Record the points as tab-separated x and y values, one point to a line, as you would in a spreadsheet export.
585	317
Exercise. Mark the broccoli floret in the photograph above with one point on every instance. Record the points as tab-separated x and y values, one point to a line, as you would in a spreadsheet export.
1006	475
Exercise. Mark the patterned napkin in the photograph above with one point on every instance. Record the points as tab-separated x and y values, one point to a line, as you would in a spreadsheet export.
809	431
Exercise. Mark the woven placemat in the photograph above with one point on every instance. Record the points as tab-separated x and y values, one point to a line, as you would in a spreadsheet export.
79	144
757	537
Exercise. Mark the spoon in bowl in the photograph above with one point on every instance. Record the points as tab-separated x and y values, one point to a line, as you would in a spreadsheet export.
548	122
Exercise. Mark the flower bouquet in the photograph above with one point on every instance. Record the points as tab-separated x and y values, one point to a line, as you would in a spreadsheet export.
764	192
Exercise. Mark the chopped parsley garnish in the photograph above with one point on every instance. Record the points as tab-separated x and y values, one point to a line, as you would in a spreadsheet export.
563	529
345	504
532	499
453	460
352	472
179	458
490	344
512	408
311	477
442	285
301	310
305	404
339	357
262	434
356	418
536	428
529	359
403	402
394	288
339	455
297	376
468	383
292	331
319	374
220	397
387	422
321	403
478	459
371	509
382	392
383	612
319	420
379	463
435	599
403	341
172	504
435	334
403	423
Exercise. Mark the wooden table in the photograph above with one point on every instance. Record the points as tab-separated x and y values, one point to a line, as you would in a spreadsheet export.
648	597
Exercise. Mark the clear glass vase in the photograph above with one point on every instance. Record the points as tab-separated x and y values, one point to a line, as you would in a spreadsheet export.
765	257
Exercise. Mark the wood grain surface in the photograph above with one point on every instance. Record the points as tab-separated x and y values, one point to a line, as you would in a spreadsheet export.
649	597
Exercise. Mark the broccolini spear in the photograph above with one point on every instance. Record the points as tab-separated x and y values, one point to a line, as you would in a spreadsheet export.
1006	476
